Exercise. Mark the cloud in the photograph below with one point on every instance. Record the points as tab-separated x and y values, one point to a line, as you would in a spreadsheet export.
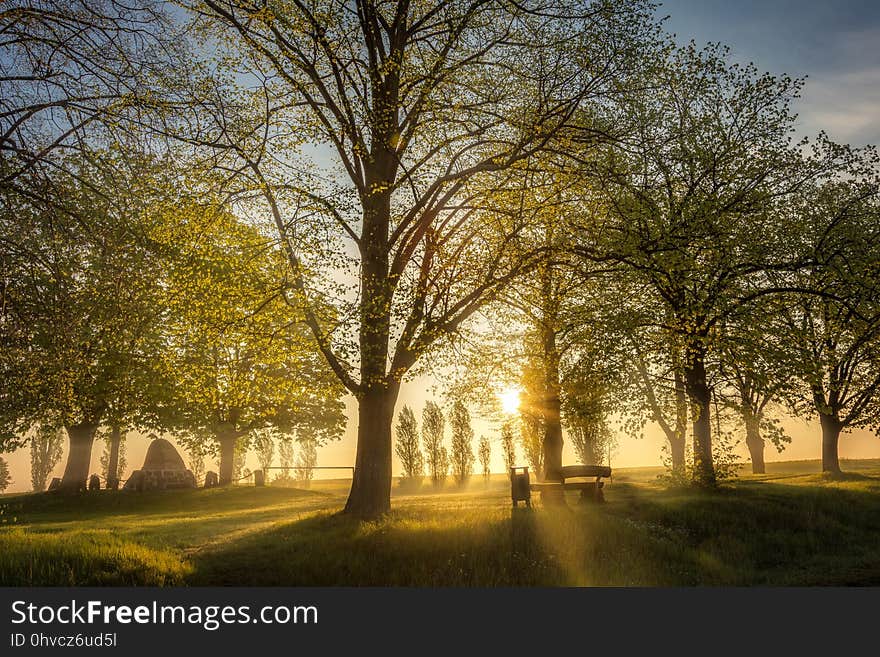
859	46
845	105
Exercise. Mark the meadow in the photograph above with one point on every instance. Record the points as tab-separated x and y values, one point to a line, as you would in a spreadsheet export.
792	526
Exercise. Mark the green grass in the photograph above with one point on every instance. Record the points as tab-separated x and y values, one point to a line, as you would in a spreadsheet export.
790	527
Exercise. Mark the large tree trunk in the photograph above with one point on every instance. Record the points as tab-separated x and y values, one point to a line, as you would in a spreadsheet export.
831	428
698	392
553	442
79	457
227	440
370	494
754	441
677	441
113	461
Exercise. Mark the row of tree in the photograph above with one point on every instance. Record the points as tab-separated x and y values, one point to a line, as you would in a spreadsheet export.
423	451
46	450
129	305
704	272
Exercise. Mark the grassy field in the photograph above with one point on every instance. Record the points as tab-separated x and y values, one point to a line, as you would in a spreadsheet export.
790	527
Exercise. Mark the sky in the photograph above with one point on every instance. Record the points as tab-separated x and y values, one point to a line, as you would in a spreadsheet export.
837	46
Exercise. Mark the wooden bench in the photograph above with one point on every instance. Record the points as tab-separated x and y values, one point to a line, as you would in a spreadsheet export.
591	491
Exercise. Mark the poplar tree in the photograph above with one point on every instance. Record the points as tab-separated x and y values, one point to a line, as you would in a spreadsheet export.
407	446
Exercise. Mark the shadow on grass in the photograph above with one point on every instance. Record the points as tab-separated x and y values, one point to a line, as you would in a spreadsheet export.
404	549
848	476
130	538
805	532
46	507
581	545
764	533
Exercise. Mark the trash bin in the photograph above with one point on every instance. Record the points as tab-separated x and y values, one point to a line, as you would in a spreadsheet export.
259	478
519	486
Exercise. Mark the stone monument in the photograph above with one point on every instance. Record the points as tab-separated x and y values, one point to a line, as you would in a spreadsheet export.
162	469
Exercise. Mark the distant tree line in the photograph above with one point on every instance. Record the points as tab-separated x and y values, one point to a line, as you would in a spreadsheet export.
431	453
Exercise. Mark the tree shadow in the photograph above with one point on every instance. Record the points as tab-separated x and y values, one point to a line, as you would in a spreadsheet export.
760	532
848	476
333	549
172	503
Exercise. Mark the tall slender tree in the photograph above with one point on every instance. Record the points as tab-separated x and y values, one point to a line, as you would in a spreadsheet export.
531	411
462	456
407	446
286	457
47	447
433	427
264	441
113	461
484	451
306	461
5	475
508	446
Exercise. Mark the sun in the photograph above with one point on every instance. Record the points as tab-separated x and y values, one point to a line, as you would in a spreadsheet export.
510	400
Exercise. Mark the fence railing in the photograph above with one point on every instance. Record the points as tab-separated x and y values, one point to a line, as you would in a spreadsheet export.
261	478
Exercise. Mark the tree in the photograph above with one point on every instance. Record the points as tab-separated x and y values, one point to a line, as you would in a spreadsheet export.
433	426
265	444
240	362
531	415
443	467
239	460
585	417
81	311
508	446
285	456
484	449
597	359
47	446
832	331
196	462
306	461
754	397
113	460
541	298
407	447
692	199
113	457
756	377
623	362
426	109
650	386
462	459
661	384
5	476
531	439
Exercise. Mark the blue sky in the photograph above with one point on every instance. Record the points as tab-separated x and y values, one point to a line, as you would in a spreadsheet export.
835	44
